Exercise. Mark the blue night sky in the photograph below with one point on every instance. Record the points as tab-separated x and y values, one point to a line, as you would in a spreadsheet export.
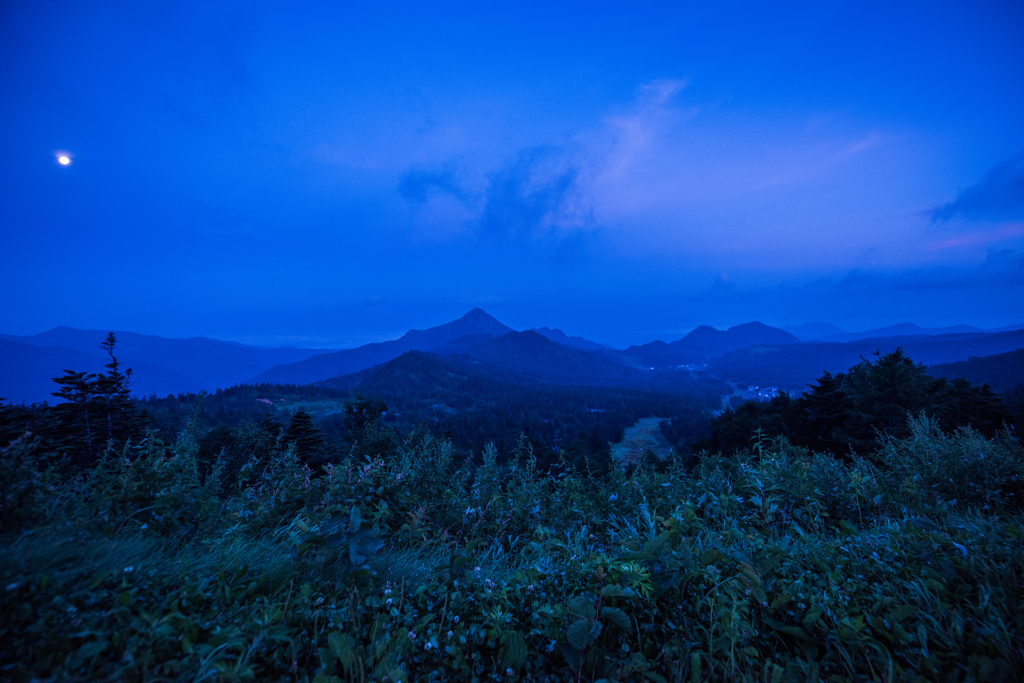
326	174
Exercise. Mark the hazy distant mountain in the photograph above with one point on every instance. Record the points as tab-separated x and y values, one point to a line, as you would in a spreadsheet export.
812	330
533	358
901	330
476	323
704	343
198	363
565	340
27	372
794	366
1001	372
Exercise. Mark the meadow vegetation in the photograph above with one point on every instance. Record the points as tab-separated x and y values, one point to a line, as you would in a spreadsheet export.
404	561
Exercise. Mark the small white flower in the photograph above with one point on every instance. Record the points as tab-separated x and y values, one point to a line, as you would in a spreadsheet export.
412	635
129	569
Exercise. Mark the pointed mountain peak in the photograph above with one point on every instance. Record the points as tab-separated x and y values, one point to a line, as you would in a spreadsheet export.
478	315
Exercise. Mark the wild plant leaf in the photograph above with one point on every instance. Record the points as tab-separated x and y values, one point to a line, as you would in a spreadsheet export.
695	667
654	544
583	606
573	656
789	630
614	590
618	617
812	616
578	634
641	556
343	646
749	572
711	556
513	650
424	620
780	600
596	663
898	614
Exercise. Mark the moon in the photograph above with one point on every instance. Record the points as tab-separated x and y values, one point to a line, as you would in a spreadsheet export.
64	159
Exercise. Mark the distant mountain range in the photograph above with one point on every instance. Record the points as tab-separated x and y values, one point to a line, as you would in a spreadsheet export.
476	325
827	332
478	344
161	366
703	344
792	367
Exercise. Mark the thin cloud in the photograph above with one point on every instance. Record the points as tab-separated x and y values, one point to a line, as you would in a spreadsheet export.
633	132
536	192
1004	268
998	197
813	169
417	185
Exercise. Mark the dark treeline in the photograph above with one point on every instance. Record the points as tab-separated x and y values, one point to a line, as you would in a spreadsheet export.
574	424
852	412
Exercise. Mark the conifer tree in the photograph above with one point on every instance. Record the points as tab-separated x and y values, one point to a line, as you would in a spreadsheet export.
304	433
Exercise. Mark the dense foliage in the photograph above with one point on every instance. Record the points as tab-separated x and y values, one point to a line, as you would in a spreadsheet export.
401	561
852	412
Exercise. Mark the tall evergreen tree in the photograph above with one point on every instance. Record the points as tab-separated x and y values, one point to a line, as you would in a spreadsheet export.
306	436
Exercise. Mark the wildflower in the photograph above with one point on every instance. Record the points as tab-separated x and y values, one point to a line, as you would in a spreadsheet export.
412	635
456	620
427	645
449	634
129	569
388	601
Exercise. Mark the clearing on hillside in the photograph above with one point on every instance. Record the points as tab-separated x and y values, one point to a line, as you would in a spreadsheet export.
642	437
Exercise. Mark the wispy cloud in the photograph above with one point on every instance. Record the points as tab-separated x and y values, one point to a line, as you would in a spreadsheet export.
1001	268
536	192
998	197
417	185
634	131
974	239
827	159
539	193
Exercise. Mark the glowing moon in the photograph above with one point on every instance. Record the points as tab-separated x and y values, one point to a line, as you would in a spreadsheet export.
63	158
